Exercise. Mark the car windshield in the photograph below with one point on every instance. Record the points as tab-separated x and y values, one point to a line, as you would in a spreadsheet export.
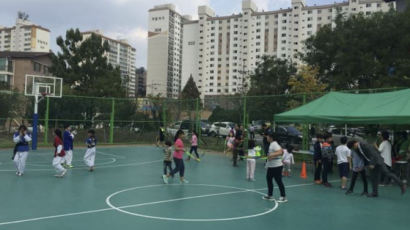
292	130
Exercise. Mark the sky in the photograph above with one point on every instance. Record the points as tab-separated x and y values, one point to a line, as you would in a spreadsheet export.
124	19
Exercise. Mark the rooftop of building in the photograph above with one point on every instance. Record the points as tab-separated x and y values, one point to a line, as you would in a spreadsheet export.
26	55
99	33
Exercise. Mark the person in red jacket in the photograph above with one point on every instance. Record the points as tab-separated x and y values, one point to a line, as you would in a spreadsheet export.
59	154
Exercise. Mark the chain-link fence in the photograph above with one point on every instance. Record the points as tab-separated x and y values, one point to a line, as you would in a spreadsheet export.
138	120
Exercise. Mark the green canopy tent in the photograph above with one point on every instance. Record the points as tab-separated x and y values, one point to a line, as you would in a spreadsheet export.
347	108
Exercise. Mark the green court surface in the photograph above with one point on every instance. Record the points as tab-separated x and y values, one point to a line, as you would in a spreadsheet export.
126	192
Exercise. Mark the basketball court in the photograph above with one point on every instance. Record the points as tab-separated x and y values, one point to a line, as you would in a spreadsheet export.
126	191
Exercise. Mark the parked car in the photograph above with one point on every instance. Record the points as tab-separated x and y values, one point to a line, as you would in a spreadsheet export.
258	125
288	135
174	127
352	134
221	128
187	127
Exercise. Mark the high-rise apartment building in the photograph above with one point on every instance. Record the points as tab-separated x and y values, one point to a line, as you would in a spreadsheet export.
121	55
24	37
164	62
220	51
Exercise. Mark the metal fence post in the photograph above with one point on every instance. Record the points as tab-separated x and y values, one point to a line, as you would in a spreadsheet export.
198	118
46	117
112	121
305	141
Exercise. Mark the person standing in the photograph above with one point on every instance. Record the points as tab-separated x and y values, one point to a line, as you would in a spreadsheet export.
371	157
274	167
89	157
251	161
161	136
68	146
343	155
237	146
327	154
20	153
358	168
59	154
385	151
194	147
317	158
265	132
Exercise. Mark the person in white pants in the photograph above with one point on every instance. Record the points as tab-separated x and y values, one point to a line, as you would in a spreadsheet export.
59	154
89	157
251	162
68	146
20	154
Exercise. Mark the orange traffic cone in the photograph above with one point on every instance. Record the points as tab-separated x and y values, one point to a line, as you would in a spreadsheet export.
303	173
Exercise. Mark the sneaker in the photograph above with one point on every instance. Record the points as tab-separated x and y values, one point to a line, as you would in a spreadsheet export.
17	173
252	180
364	194
91	169
318	181
165	179
70	166
348	192
282	199
63	173
20	174
372	195
183	181
403	188
270	198
327	184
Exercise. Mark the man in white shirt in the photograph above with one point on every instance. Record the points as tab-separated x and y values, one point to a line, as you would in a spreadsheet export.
385	151
343	154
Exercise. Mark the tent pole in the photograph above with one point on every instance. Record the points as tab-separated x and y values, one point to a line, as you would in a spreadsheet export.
345	129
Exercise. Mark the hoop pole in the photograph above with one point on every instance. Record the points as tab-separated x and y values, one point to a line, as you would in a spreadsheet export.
46	121
112	121
35	122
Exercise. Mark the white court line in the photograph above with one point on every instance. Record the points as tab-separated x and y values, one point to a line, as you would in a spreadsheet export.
103	210
84	167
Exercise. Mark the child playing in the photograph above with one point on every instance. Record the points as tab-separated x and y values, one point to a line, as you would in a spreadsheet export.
68	146
178	158
167	157
59	154
229	142
358	168
250	161
194	146
161	137
287	160
20	153
89	157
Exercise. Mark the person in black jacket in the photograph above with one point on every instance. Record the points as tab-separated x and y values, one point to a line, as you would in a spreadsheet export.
375	163
317	158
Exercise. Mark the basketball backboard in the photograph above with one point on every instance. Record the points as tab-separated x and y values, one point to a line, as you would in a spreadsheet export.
43	86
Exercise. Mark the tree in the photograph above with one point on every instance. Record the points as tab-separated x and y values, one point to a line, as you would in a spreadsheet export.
85	71
270	77
189	94
190	90
362	51
305	82
83	66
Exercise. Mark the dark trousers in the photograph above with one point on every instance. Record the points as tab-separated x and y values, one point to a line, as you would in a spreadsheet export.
179	167
364	179
195	150
277	174
167	165
378	171
383	178
326	168
235	156
318	169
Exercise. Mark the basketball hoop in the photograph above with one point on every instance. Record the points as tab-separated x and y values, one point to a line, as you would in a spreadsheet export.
41	87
